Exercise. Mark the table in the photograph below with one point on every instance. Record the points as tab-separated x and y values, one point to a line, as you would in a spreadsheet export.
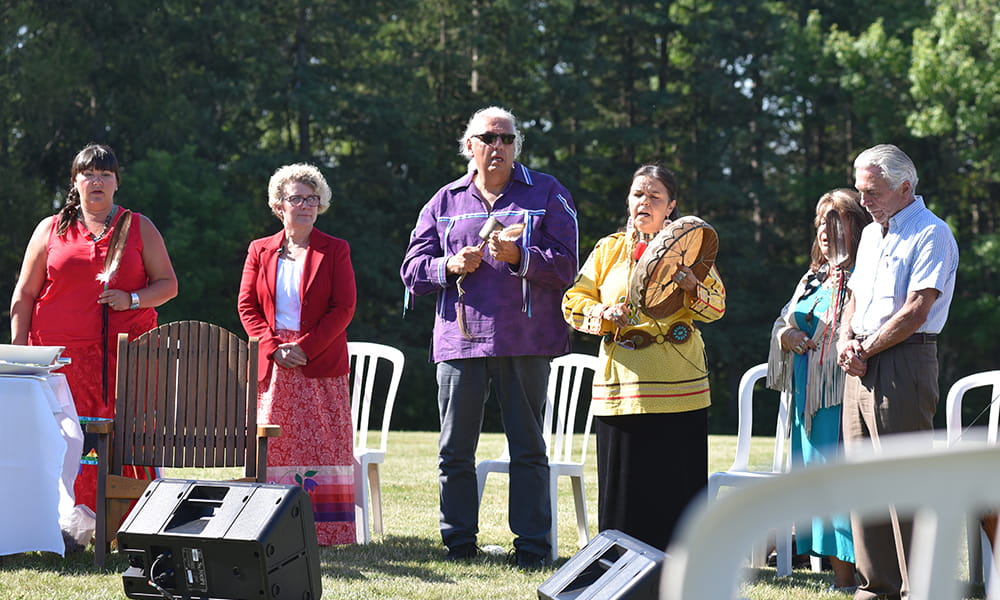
40	446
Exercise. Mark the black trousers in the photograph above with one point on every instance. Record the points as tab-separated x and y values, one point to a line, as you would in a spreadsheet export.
649	468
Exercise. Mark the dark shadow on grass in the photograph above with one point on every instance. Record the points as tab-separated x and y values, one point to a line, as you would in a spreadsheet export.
399	556
804	578
394	556
800	578
76	563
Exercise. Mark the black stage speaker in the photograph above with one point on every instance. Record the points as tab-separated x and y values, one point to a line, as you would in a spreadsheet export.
221	540
612	566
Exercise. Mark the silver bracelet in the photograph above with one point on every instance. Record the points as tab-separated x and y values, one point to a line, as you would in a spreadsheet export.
135	302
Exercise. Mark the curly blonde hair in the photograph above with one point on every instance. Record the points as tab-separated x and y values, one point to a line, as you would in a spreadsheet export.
297	173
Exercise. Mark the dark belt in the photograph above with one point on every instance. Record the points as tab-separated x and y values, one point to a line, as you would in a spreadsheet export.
916	338
636	339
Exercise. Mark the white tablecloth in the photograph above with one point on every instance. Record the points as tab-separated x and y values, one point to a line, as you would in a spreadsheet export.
40	446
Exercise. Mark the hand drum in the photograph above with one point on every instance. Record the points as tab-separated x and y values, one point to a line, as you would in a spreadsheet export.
687	241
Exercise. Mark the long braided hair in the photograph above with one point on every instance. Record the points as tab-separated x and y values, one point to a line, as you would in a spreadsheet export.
94	156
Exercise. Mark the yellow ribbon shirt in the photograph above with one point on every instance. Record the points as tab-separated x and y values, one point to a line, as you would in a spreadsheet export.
668	372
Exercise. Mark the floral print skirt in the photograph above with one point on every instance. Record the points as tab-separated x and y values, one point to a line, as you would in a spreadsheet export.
316	447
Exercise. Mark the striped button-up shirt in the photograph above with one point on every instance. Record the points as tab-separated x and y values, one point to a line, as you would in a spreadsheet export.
918	252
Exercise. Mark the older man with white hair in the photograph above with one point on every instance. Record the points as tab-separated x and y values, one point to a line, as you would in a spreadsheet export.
497	322
901	288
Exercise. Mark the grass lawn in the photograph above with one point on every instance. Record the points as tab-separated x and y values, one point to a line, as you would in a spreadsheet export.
407	563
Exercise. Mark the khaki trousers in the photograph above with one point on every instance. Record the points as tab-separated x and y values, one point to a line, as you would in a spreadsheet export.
898	394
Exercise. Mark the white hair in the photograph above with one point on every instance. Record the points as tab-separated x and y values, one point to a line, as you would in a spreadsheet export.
894	165
475	125
297	173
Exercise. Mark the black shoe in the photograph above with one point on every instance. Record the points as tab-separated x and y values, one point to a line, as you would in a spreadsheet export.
462	552
72	547
529	561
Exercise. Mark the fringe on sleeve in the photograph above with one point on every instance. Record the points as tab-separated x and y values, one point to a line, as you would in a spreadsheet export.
825	386
780	363
824	378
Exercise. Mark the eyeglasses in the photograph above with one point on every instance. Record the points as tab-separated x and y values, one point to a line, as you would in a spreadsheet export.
312	200
489	137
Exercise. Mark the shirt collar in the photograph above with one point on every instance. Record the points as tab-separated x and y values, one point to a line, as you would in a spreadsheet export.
909	212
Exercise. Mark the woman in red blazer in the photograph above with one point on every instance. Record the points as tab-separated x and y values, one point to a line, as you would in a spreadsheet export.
297	296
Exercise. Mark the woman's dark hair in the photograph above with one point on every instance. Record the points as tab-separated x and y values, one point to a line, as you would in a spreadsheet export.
664	176
94	156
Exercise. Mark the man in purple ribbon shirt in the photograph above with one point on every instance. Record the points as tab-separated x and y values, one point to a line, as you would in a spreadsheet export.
497	321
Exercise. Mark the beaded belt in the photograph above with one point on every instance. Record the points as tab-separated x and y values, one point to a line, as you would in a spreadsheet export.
636	339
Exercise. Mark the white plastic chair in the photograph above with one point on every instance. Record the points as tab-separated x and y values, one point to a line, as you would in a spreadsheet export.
936	487
365	358
978	572
739	474
562	399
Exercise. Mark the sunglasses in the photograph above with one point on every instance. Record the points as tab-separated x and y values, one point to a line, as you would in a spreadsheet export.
312	200
489	137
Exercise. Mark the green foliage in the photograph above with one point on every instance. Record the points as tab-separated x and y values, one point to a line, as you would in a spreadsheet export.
206	232
956	76
758	107
24	204
955	79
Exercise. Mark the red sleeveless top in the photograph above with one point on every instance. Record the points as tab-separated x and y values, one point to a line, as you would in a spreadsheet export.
66	312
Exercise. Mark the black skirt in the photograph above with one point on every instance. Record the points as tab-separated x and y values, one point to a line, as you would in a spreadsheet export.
649	468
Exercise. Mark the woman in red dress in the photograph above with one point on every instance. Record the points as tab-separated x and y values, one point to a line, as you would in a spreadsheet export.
60	298
297	296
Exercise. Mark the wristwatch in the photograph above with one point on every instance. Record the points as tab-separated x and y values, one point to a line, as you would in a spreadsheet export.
135	302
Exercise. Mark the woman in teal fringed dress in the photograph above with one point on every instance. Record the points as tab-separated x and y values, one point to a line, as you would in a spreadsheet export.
803	362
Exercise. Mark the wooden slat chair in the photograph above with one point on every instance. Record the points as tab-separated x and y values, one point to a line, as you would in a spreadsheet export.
186	397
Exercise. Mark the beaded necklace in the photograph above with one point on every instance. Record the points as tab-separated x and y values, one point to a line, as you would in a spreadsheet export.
107	223
836	281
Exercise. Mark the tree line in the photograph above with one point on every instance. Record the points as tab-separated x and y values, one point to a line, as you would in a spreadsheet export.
758	106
